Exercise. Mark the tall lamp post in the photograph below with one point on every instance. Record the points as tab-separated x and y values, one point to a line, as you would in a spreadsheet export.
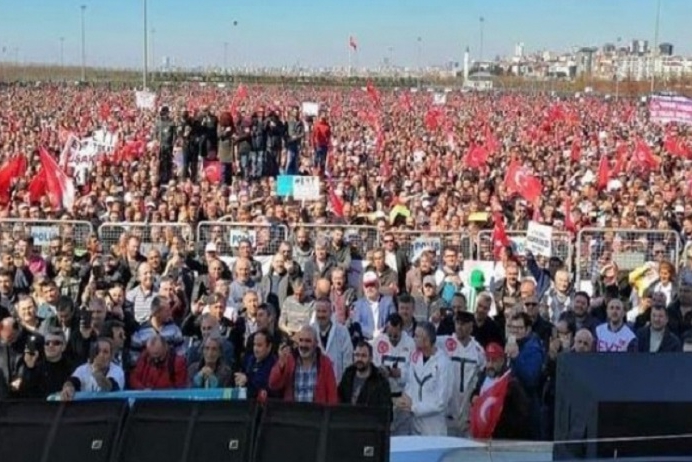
83	9
62	51
482	24
656	54
145	70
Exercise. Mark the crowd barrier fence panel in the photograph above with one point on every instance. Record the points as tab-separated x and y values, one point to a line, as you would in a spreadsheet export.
361	238
414	242
628	248
561	245
152	235
44	230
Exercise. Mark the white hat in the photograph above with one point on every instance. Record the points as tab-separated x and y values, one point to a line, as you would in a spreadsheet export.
210	247
370	278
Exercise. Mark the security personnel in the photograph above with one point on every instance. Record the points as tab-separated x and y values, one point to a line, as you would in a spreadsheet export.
392	355
428	385
468	361
166	134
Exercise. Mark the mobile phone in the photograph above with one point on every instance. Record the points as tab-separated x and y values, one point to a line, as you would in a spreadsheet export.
31	346
85	318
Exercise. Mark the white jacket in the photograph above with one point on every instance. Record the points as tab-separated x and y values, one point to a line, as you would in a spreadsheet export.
339	348
429	385
387	355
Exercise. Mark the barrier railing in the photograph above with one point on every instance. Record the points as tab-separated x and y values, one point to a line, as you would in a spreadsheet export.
266	238
413	242
44	230
628	248
153	235
561	245
361	238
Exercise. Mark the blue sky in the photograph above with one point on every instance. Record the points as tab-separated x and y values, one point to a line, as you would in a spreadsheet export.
315	33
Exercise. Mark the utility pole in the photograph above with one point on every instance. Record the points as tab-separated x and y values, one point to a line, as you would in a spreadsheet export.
145	70
83	8
480	54
655	53
62	51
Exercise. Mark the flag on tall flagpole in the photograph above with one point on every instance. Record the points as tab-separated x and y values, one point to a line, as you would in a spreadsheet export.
352	43
59	187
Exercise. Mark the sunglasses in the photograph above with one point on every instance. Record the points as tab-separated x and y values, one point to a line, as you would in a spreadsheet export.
53	343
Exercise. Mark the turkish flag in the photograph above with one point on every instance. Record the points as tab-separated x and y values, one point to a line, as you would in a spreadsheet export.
676	146
335	201
499	236
15	168
519	180
37	187
643	158
486	410
352	43
212	170
569	222
603	173
373	94
60	187
477	157
575	151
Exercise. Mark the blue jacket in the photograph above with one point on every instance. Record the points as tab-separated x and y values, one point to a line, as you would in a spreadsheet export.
258	374
363	315
528	366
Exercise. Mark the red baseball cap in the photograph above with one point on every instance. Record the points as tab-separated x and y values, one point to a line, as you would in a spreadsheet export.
494	351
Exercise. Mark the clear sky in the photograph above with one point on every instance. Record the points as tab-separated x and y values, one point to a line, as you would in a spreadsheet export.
315	32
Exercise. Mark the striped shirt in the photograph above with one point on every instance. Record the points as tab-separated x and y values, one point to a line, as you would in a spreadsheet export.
141	302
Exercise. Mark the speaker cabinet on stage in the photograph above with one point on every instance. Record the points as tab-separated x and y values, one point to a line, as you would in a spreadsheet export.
614	396
60	432
304	432
189	431
358	434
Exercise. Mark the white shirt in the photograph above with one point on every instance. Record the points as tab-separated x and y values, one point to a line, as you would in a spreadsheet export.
375	308
88	383
609	340
390	260
385	354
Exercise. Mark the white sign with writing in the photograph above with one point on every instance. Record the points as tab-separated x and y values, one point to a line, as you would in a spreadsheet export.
43	234
145	100
310	108
104	140
236	235
306	188
423	244
440	99
539	239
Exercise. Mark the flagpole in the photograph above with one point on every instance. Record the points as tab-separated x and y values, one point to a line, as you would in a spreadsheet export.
350	55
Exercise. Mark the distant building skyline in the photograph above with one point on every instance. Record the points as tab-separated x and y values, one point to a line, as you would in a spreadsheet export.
311	33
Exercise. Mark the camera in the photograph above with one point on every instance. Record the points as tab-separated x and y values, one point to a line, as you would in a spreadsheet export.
31	346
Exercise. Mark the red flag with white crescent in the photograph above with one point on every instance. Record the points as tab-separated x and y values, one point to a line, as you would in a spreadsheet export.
486	410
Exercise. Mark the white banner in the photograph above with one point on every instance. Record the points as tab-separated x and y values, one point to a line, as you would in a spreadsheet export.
440	99
145	100
306	188
423	244
539	239
311	108
665	109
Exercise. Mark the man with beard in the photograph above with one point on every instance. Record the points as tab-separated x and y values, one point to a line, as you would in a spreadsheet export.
362	383
304	374
515	411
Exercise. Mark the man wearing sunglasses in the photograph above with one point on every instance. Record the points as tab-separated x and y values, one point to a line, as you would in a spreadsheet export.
44	373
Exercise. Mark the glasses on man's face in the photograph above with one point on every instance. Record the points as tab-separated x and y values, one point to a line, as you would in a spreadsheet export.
388	241
53	343
515	326
531	304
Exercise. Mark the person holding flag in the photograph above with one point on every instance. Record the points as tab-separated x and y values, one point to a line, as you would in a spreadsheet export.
499	406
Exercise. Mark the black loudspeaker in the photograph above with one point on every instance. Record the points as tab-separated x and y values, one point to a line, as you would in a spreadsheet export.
623	420
358	434
304	432
189	431
291	432
40	431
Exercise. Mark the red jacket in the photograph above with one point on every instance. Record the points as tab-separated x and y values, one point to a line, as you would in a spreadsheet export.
282	380
321	134
169	373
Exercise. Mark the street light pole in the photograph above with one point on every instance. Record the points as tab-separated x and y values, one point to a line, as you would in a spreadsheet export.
145	70
655	53
480	54
83	8
62	51
225	58
153	54
419	53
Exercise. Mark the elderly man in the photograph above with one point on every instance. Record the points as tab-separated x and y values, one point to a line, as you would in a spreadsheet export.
334	338
304	374
372	310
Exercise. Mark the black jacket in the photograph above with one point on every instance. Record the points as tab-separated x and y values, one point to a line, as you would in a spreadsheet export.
45	378
375	390
669	344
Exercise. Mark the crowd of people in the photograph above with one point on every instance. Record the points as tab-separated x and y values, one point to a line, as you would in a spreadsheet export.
288	314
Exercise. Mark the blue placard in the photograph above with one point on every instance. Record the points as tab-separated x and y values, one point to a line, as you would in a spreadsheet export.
284	185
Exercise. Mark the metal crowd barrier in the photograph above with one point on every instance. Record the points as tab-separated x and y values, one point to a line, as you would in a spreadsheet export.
628	248
361	238
561	245
44	230
153	235
414	241
266	238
